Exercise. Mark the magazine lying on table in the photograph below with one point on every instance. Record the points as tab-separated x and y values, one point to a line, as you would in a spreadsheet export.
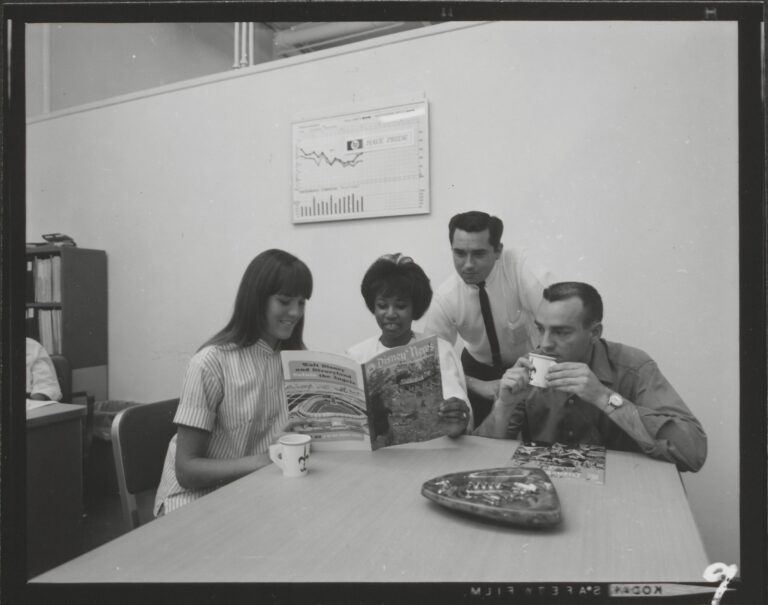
580	461
393	398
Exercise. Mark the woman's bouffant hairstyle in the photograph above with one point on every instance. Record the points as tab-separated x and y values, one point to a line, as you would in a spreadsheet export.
271	272
397	275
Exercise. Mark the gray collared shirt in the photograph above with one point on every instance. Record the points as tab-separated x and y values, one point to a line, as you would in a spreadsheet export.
551	416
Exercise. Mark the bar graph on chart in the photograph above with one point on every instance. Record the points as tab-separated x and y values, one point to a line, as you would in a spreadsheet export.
362	165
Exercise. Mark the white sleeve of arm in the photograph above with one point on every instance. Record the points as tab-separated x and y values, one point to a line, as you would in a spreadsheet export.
44	379
453	379
438	322
532	279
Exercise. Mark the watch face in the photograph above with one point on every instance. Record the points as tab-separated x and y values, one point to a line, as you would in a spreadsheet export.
615	400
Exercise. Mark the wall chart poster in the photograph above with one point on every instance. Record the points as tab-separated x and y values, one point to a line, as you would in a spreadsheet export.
362	165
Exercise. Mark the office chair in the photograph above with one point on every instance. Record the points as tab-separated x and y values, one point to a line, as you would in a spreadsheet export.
64	376
140	436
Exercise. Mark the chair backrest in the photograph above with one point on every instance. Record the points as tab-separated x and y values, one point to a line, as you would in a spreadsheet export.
140	436
64	376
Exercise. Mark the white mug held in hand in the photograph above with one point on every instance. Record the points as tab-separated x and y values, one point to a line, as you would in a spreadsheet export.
291	453
541	364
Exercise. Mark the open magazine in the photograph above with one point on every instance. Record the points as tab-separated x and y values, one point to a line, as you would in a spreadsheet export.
391	399
586	462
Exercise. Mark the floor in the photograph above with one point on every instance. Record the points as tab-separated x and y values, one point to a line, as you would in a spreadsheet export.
102	519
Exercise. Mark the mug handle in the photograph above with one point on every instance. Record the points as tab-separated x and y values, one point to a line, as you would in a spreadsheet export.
276	454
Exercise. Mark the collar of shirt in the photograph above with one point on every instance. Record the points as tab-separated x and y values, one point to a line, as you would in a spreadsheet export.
492	278
266	348
380	348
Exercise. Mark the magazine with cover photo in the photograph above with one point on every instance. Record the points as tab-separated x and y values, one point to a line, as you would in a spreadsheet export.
391	399
580	461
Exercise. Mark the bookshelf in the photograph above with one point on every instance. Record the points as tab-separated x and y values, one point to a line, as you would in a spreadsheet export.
66	310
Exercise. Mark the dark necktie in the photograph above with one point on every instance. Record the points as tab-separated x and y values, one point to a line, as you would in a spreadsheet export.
490	329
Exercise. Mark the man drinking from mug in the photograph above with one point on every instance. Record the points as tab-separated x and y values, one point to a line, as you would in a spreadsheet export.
598	392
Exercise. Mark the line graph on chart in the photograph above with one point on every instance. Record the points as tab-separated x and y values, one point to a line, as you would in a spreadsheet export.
362	165
320	158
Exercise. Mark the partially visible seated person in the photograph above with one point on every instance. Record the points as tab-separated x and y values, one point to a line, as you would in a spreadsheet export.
42	384
397	291
598	392
232	404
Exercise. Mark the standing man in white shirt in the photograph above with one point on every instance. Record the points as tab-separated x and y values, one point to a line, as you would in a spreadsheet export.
42	383
490	303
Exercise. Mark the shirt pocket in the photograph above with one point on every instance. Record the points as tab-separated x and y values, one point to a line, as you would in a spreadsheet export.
234	419
235	429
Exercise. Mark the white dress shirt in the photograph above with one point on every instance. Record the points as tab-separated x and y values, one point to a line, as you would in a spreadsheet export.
41	373
514	288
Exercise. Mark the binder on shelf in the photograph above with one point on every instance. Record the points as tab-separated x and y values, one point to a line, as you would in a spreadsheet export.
37	277
45	329
42	279
56	279
49	330
45	280
56	326
46	276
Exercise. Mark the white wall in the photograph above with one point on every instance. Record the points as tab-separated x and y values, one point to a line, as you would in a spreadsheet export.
609	149
76	63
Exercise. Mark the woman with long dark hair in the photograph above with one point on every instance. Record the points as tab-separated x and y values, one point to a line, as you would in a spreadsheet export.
232	404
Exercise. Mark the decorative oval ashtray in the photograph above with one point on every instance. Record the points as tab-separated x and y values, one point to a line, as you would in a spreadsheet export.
517	496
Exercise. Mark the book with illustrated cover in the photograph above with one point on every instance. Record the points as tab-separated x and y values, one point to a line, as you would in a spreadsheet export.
391	399
580	461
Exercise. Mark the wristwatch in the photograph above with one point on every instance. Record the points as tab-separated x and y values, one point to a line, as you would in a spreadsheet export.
614	401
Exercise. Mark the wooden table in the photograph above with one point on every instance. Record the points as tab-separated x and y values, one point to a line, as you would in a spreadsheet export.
360	517
54	485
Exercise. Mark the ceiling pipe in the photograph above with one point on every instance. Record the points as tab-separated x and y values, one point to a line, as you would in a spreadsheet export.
311	34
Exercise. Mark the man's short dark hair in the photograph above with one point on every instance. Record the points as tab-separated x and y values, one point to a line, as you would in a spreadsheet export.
475	221
590	298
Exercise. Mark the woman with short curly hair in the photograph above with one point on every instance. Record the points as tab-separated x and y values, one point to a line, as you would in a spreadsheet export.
397	291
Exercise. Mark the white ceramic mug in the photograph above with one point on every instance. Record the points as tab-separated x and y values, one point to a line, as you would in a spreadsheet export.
541	363
291	453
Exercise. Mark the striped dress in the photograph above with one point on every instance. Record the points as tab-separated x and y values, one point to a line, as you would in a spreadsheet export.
237	395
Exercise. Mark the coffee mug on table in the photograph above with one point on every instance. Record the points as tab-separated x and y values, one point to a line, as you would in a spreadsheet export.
291	453
541	363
